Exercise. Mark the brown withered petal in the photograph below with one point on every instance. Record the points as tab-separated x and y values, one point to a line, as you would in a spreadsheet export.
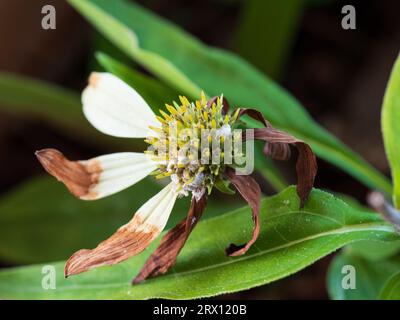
255	114
225	103
77	177
171	244
250	191
306	165
277	146
128	241
277	151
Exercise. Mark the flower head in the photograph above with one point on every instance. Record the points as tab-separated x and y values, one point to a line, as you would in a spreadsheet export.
187	147
188	144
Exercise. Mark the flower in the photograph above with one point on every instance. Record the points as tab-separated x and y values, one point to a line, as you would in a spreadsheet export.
175	152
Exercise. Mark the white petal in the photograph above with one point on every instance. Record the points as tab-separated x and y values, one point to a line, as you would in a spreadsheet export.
114	108
155	212
118	171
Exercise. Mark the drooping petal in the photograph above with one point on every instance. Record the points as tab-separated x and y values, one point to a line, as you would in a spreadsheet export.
277	151
306	165
255	114
116	109
277	146
130	239
171	244
251	192
98	177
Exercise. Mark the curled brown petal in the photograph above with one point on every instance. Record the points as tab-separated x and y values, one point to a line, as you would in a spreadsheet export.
250	191
277	151
277	146
255	114
77	177
306	165
171	244
225	104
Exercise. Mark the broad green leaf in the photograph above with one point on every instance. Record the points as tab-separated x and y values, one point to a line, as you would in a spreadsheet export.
370	250
19	94
374	250
391	290
370	276
188	65
102	44
156	94
290	239
40	221
391	128
279	22
25	96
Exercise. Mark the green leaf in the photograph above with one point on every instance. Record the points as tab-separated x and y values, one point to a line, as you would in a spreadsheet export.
279	20
374	250
25	96
370	276
391	128
391	290
188	65
290	239
40	221
369	250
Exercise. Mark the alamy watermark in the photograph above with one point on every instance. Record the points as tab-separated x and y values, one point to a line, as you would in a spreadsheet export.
49	277
349	19
349	278
49	18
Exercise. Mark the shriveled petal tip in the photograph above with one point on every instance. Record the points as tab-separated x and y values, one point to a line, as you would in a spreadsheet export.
130	239
251	192
306	165
78	178
306	168
98	177
171	244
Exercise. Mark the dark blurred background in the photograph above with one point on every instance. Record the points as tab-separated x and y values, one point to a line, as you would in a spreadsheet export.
338	75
